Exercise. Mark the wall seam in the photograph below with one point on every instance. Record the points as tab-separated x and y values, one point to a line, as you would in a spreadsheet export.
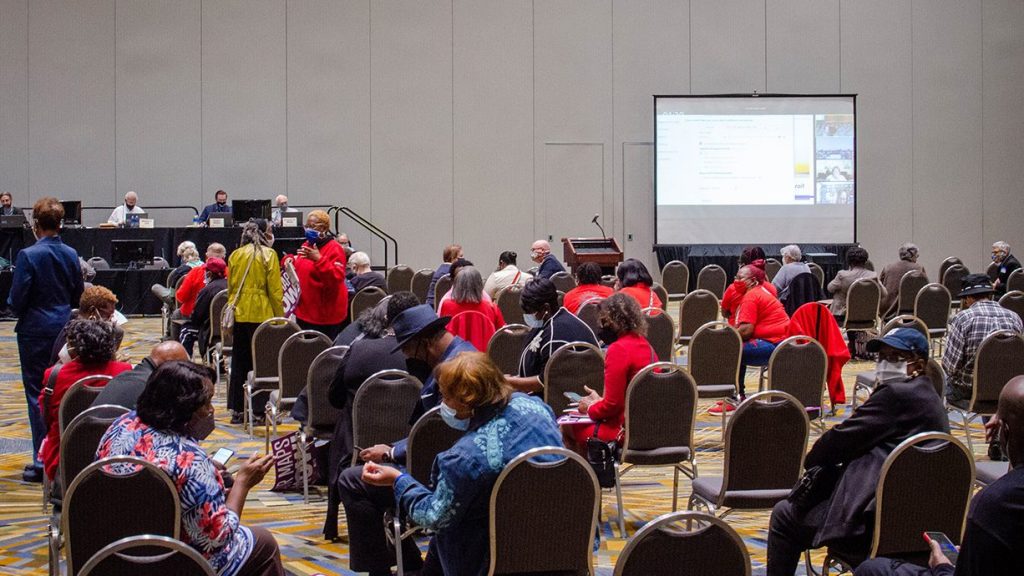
913	126
765	45
202	133
115	104
28	98
452	84
287	159
533	111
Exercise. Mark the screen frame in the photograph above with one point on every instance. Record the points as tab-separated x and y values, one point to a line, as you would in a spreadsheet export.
755	95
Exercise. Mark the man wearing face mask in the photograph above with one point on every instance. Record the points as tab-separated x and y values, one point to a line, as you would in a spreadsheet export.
280	208
220	206
553	327
422	337
320	266
903	404
540	252
1007	264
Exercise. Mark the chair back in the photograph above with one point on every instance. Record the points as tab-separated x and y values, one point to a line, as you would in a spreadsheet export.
662	294
818	272
79	398
267	341
799	367
139	555
563	281
905	321
116	488
381	408
952	279
399	278
684	544
771	268
78	443
220	299
753	464
590	313
911	283
570	368
322	415
441	287
925	484
1013	300
564	486
804	288
946	265
933	370
715	355
862	303
697	309
675	276
473	327
366	298
713	279
294	360
932	307
660	333
99	263
999	358
506	346
608	280
661	410
429	437
1016	280
420	284
509	304
159	263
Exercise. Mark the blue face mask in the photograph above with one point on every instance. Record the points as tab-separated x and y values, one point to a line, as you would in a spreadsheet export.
532	321
451	418
312	235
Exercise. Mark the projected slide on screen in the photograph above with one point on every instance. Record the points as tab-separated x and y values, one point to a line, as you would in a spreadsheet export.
766	169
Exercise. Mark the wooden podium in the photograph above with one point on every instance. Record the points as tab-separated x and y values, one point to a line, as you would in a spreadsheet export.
605	252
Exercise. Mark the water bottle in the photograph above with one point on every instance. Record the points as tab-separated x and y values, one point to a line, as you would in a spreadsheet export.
196	221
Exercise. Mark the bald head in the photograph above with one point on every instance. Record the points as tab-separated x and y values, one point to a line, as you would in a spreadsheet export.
1011	416
216	250
281	200
166	351
539	250
130	199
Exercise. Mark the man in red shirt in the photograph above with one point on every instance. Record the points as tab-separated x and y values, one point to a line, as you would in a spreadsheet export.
761	321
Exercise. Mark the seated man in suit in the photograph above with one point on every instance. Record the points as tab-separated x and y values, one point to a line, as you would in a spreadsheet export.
540	253
220	206
7	205
125	388
994	536
903	404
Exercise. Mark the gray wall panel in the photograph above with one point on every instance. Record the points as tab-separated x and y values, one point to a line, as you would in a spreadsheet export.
493	129
803	46
727	46
652	45
14	99
329	107
879	31
159	134
411	71
1003	129
244	98
947	135
71	90
571	190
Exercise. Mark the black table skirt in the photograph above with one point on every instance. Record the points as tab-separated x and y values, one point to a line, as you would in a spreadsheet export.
831	257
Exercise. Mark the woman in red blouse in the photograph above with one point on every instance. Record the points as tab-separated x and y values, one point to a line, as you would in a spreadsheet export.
628	354
468	296
634	279
92	345
320	267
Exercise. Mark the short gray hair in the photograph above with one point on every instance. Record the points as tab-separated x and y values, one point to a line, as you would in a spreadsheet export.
792	252
1001	246
908	252
359	259
185	246
468	286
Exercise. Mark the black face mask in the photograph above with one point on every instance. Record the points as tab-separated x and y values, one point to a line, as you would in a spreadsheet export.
607	335
202	429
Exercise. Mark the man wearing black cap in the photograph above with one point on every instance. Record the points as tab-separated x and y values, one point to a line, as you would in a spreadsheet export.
903	404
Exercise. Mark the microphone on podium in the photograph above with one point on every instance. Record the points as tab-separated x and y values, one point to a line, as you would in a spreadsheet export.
598	224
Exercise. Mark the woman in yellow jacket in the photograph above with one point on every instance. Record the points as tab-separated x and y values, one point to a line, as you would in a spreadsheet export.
260	297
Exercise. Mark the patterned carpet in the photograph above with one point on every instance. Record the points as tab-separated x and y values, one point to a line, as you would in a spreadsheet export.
647	492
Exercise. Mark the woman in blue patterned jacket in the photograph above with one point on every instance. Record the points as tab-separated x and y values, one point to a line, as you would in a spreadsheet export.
499	425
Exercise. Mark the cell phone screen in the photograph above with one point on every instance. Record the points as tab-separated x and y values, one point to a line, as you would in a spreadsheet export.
572	396
945	544
222	456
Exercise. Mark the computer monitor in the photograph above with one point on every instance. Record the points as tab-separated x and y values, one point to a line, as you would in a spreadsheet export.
132	219
13	221
244	210
292	219
124	253
72	212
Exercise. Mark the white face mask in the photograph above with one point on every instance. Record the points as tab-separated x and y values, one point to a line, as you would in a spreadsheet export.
886	371
532	321
451	418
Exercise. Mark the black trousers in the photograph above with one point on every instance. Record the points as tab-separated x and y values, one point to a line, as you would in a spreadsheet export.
790	533
888	567
330	330
241	365
34	355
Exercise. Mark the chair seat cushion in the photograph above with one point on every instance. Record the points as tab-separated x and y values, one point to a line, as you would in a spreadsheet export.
709	488
988	472
715	390
286	403
657	456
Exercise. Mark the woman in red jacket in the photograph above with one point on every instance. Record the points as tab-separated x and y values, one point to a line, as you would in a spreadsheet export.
468	296
624	325
320	267
92	345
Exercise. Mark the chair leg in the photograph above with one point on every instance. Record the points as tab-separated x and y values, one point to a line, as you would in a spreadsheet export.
618	499
675	488
304	465
967	431
396	524
809	565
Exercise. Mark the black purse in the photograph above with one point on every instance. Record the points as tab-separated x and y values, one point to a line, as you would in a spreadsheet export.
602	457
814	487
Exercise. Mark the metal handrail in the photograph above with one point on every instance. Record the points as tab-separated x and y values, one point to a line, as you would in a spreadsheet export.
147	209
369	226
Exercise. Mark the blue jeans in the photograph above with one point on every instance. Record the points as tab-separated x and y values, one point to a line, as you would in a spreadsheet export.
756	352
34	355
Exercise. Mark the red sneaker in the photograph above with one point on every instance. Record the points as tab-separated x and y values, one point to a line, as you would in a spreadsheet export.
717	408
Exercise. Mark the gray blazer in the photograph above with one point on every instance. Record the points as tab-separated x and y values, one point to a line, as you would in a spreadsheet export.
840	286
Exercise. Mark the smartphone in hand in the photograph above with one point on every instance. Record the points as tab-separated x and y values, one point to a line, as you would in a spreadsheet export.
222	456
945	544
572	396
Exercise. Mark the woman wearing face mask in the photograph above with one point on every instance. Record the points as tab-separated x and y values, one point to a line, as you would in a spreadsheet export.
93	344
175	412
751	256
320	267
552	327
628	353
255	285
477	401
904	403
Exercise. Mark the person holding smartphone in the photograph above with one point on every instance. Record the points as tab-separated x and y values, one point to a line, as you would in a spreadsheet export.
994	536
